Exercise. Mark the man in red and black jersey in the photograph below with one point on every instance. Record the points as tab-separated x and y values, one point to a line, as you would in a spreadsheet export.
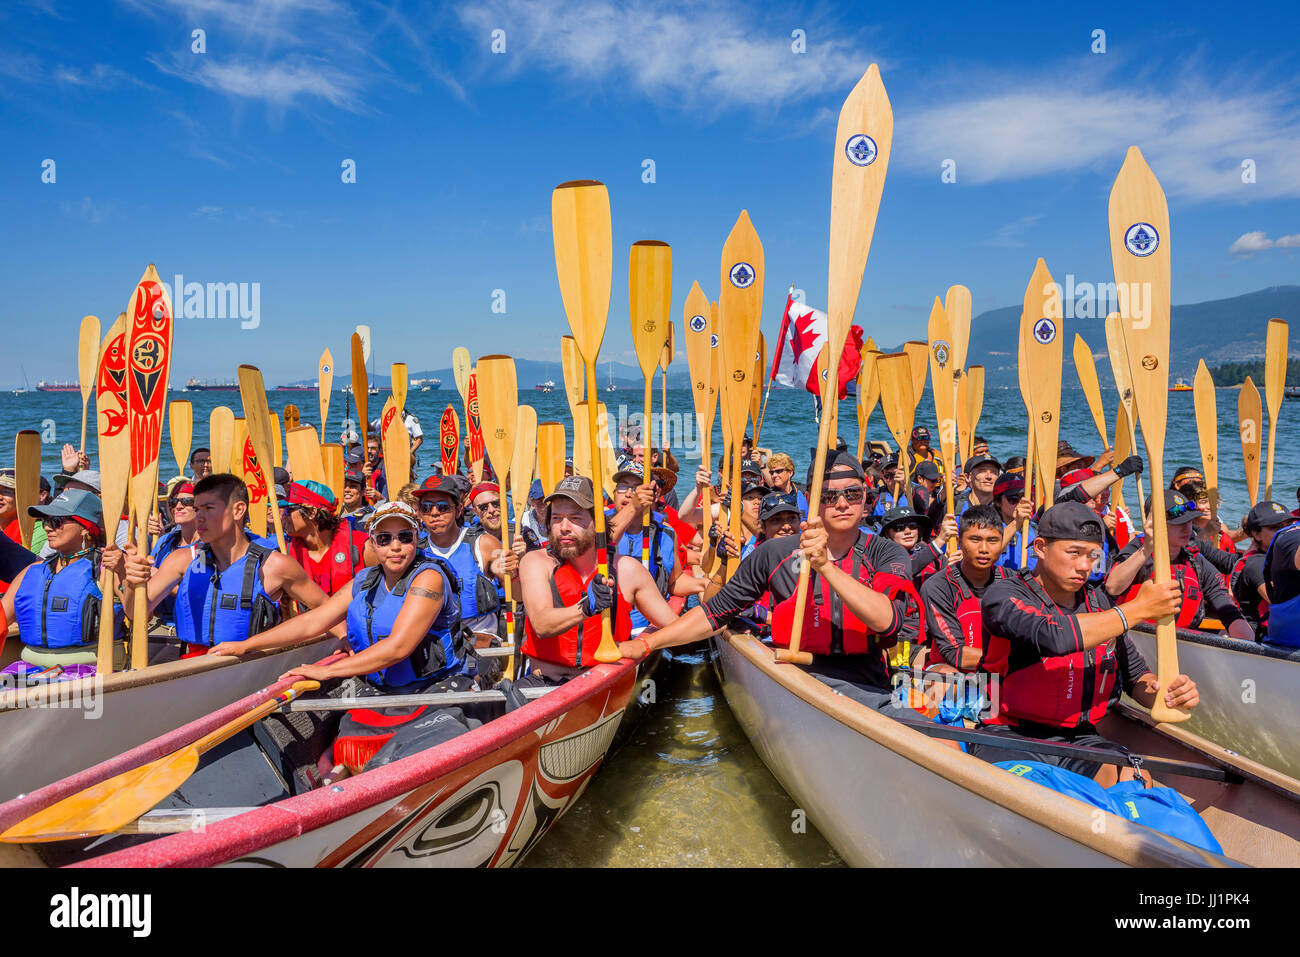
1061	650
861	601
952	597
1202	585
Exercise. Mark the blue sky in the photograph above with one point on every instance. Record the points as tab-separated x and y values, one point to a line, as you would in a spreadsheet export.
225	166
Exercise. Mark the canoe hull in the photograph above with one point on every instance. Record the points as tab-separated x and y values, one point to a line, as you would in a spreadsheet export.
77	724
958	811
1250	695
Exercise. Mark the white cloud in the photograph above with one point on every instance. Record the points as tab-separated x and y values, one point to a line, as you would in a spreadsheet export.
1256	241
280	84
711	55
1082	116
1011	233
101	76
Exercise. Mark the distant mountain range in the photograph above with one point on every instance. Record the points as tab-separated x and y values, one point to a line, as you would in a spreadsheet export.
1218	331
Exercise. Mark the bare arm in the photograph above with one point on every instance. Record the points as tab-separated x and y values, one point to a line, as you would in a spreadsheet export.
535	589
280	573
1121	575
316	621
638	588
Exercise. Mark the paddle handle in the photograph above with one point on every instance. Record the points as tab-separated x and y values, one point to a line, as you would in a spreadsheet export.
104	650
1030	484
607	651
140	604
248	718
1268	466
85	405
1166	633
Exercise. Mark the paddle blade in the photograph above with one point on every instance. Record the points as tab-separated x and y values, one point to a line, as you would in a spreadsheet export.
302	445
942	357
869	384
334	468
697	336
148	359
575	385
956	307
87	365
584	259
277	442
895	373
498	411
523	460
449	440
551	446
1275	365
27	479
1117	351
670	349
399	381
396	443
1041	315
649	294
460	366
740	306
1207	430
1087	372
221	438
360	385
918	354
1249	422
324	383
293	418
110	421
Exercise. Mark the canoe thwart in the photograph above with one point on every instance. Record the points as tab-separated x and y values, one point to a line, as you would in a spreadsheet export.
411	700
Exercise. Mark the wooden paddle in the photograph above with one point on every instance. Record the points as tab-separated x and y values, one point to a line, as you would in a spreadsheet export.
148	356
324	383
1117	350
1139	248
1250	416
180	426
918	354
498	409
740	307
249	470
116	802
868	392
941	357
964	428
575	386
303	447
1123	449
665	360
649	295
398	379
523	463
396	443
974	405
1086	369
257	416
697	336
756	388
1207	431
551	447
584	254
87	366
894	370
293	418
449	440
956	307
1041	313
237	450
277	442
474	429
460	366
114	463
333	468
360	387
1274	387
27	480
609	465
221	438
1022	369
581	443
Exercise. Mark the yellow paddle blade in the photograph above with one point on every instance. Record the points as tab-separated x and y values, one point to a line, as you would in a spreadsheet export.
180	426
895	372
1117	351
498	410
360	386
460	366
1249	422
396	443
221	437
27	478
649	294
941	359
584	254
398	378
324	383
235	464
1087	371
956	307
551	446
523	461
869	383
257	416
698	339
1041	315
974	405
277	441
333	468
918	355
740	308
303	448
1207	431
87	366
1274	386
575	386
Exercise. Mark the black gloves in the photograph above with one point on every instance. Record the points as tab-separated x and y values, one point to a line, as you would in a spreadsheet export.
1131	465
599	596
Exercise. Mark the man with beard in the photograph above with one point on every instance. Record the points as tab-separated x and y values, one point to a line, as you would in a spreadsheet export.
564	596
862	598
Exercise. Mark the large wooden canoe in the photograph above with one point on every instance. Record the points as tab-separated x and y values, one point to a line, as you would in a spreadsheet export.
1250	694
851	768
49	731
484	798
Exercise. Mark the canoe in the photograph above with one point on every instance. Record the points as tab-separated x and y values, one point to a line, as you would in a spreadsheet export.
843	762
483	798
52	730
1250	694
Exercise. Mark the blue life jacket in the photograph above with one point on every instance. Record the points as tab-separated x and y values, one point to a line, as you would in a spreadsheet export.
61	610
214	606
373	611
167	543
663	557
1010	557
478	592
1283	617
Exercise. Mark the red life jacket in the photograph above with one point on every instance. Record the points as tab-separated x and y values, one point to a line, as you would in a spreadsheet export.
340	563
1189	614
1062	691
577	646
818	636
968	615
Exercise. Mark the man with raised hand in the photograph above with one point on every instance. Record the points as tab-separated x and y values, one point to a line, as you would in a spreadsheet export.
1060	649
862	600
564	596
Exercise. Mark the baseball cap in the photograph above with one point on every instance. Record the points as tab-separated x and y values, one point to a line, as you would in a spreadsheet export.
1268	515
750	467
752	485
1071	521
535	490
85	477
1179	509
1008	483
774	503
353	457
446	484
839	465
905	513
978	461
921	432
629	469
8	480
354	475
577	489
398	510
926	470
71	503
482	487
310	493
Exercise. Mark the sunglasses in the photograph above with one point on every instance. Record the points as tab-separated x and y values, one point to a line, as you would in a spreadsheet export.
54	524
908	526
384	539
291	507
853	496
428	507
487	505
1180	509
187	502
1013	499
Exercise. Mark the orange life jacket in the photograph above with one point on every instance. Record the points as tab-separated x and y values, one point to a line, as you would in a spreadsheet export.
577	646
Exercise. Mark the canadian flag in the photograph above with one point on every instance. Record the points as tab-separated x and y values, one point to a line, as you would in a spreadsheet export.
804	328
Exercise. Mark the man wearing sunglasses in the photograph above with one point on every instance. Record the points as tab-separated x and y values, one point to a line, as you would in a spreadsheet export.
1202	586
182	536
477	557
1015	508
564	596
863	600
217	597
485	499
1060	649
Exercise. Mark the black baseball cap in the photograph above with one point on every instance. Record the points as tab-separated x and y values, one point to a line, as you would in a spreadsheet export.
926	470
905	513
838	465
750	485
1073	522
577	489
1015	465
1268	515
1179	509
749	466
774	503
976	461
921	432
446	484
